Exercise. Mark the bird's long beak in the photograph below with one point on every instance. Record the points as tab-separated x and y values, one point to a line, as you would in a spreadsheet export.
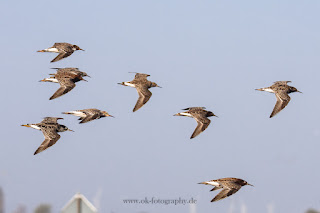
250	184
82	49
260	89
159	86
70	130
216	116
121	83
299	91
110	116
26	125
178	114
40	51
42	80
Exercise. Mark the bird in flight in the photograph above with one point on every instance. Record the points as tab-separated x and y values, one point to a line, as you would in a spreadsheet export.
229	186
64	50
66	77
87	115
50	128
200	115
281	89
142	86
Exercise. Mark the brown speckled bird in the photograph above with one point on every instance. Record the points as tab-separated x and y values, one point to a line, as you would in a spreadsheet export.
87	115
50	128
66	77
281	90
229	186
142	85
64	50
200	115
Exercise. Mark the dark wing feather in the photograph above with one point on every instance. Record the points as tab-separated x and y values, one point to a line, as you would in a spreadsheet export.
61	56
51	137
192	108
89	117
215	188
66	85
203	123
47	120
141	76
144	96
282	101
225	193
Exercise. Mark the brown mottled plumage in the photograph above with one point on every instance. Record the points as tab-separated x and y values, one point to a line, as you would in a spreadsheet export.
229	186
87	115
66	77
50	129
281	90
200	115
64	50
142	85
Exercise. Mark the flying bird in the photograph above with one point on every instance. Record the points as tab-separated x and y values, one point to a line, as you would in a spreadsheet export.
229	186
64	50
50	128
87	115
142	86
66	77
281	90
200	115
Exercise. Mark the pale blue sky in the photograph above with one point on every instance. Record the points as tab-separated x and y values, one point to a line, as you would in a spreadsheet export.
203	53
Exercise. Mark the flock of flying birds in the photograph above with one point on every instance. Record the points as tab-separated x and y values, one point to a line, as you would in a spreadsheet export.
67	77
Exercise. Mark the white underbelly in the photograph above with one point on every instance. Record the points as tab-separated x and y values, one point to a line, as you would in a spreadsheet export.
269	90
129	84
185	114
213	183
77	113
52	49
34	126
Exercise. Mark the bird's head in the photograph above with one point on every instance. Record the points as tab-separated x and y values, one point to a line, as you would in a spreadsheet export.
105	114
209	114
293	89
63	128
75	47
155	85
246	183
84	74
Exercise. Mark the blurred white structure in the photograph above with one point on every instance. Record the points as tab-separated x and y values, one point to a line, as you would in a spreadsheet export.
79	204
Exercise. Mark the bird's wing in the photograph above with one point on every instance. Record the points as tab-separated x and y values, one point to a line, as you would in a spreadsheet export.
62	55
89	117
191	108
141	76
282	82
47	120
226	192
58	45
203	123
51	137
282	101
66	85
215	188
144	96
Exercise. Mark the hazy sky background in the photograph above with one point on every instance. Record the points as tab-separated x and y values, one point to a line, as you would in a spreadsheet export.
203	53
